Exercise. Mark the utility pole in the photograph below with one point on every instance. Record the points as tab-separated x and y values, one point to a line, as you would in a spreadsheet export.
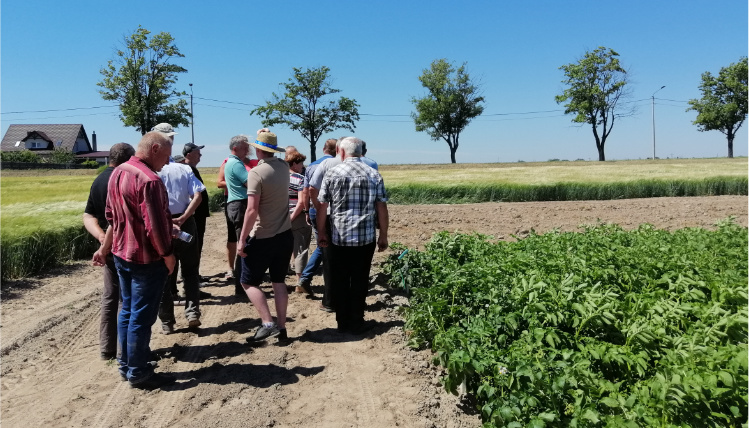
653	109
192	117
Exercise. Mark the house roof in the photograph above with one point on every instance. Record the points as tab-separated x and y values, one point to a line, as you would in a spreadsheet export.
104	154
67	134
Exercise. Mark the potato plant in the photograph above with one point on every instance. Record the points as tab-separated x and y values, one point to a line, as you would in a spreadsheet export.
605	327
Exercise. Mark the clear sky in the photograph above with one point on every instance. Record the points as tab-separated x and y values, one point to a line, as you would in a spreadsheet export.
238	52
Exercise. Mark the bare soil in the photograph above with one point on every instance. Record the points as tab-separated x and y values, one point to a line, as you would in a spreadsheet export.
52	375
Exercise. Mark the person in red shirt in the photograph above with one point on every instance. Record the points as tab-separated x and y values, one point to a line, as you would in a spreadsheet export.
140	239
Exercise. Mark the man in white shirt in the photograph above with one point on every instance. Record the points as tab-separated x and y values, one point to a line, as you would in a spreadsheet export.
184	190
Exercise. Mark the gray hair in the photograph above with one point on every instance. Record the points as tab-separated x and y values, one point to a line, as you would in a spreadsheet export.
351	146
120	153
238	140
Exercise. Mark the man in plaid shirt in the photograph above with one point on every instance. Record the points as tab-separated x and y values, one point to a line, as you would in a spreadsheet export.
356	196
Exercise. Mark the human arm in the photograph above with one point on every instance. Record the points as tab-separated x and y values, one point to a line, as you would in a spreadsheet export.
299	208
221	182
322	220
383	220
100	256
154	210
250	216
194	203
91	224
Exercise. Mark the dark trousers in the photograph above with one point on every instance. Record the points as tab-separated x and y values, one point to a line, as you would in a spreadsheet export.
187	259
110	306
236	210
349	268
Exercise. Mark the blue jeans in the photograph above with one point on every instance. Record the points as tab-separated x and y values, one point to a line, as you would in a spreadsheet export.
315	259
141	287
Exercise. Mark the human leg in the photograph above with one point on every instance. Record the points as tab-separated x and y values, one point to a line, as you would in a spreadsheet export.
280	247
110	302
189	260
141	288
231	242
145	291
361	262
340	284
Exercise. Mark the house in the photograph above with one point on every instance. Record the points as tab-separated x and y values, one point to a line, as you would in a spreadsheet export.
43	139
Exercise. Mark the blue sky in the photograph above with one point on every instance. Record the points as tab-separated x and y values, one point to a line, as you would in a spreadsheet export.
241	51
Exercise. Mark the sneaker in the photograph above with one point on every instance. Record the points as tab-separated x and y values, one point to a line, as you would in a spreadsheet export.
264	332
229	276
167	328
156	380
326	308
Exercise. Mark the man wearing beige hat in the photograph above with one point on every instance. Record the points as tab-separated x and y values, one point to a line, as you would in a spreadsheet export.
268	227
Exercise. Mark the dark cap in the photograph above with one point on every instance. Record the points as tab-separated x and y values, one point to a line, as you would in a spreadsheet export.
190	147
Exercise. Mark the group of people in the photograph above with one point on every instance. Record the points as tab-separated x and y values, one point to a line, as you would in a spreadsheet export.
149	214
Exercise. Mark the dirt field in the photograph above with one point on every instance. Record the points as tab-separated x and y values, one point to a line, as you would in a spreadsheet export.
52	375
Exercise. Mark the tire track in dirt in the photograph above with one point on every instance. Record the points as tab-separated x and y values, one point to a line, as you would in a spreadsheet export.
164	412
112	406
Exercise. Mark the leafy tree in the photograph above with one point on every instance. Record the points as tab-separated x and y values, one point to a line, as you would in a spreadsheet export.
596	84
20	156
141	79
301	108
452	102
63	156
723	106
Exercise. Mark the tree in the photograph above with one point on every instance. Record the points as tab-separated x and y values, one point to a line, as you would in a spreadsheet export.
596	86
452	102
141	78
63	156
301	108
723	106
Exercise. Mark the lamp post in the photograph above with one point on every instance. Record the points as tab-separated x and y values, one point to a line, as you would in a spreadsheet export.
192	117
652	97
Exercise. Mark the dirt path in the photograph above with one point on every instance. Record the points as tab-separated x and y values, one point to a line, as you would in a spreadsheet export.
51	374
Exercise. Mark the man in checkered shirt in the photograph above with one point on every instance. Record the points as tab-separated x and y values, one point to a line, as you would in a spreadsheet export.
356	196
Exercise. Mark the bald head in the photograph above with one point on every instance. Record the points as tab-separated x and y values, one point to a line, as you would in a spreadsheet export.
155	148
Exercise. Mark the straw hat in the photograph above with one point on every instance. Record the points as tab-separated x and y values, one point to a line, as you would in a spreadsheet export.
164	128
267	142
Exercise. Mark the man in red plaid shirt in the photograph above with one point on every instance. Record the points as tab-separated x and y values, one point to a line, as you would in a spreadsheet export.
140	239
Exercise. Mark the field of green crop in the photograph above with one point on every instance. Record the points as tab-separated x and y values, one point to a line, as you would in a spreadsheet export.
602	328
41	210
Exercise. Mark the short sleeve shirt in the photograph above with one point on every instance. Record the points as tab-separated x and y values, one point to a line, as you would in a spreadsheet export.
270	181
235	174
97	197
351	189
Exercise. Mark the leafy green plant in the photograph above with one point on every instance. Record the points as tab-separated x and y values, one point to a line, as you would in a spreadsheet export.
601	328
20	156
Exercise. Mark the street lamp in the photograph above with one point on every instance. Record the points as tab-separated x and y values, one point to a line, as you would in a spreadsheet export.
192	117
652	97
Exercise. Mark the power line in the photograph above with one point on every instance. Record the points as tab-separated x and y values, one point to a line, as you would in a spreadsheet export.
62	109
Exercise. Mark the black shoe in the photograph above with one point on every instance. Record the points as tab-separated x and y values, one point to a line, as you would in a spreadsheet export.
156	380
362	328
282	335
106	356
205	294
326	308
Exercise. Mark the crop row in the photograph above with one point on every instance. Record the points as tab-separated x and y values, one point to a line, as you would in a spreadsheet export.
601	328
564	191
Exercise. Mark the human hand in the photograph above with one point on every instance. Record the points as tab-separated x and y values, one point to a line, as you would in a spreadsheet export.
382	243
100	258
322	241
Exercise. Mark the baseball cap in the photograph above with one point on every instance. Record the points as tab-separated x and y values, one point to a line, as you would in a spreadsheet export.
190	147
164	128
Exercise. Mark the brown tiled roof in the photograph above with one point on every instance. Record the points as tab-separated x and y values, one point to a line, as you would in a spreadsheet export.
68	134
